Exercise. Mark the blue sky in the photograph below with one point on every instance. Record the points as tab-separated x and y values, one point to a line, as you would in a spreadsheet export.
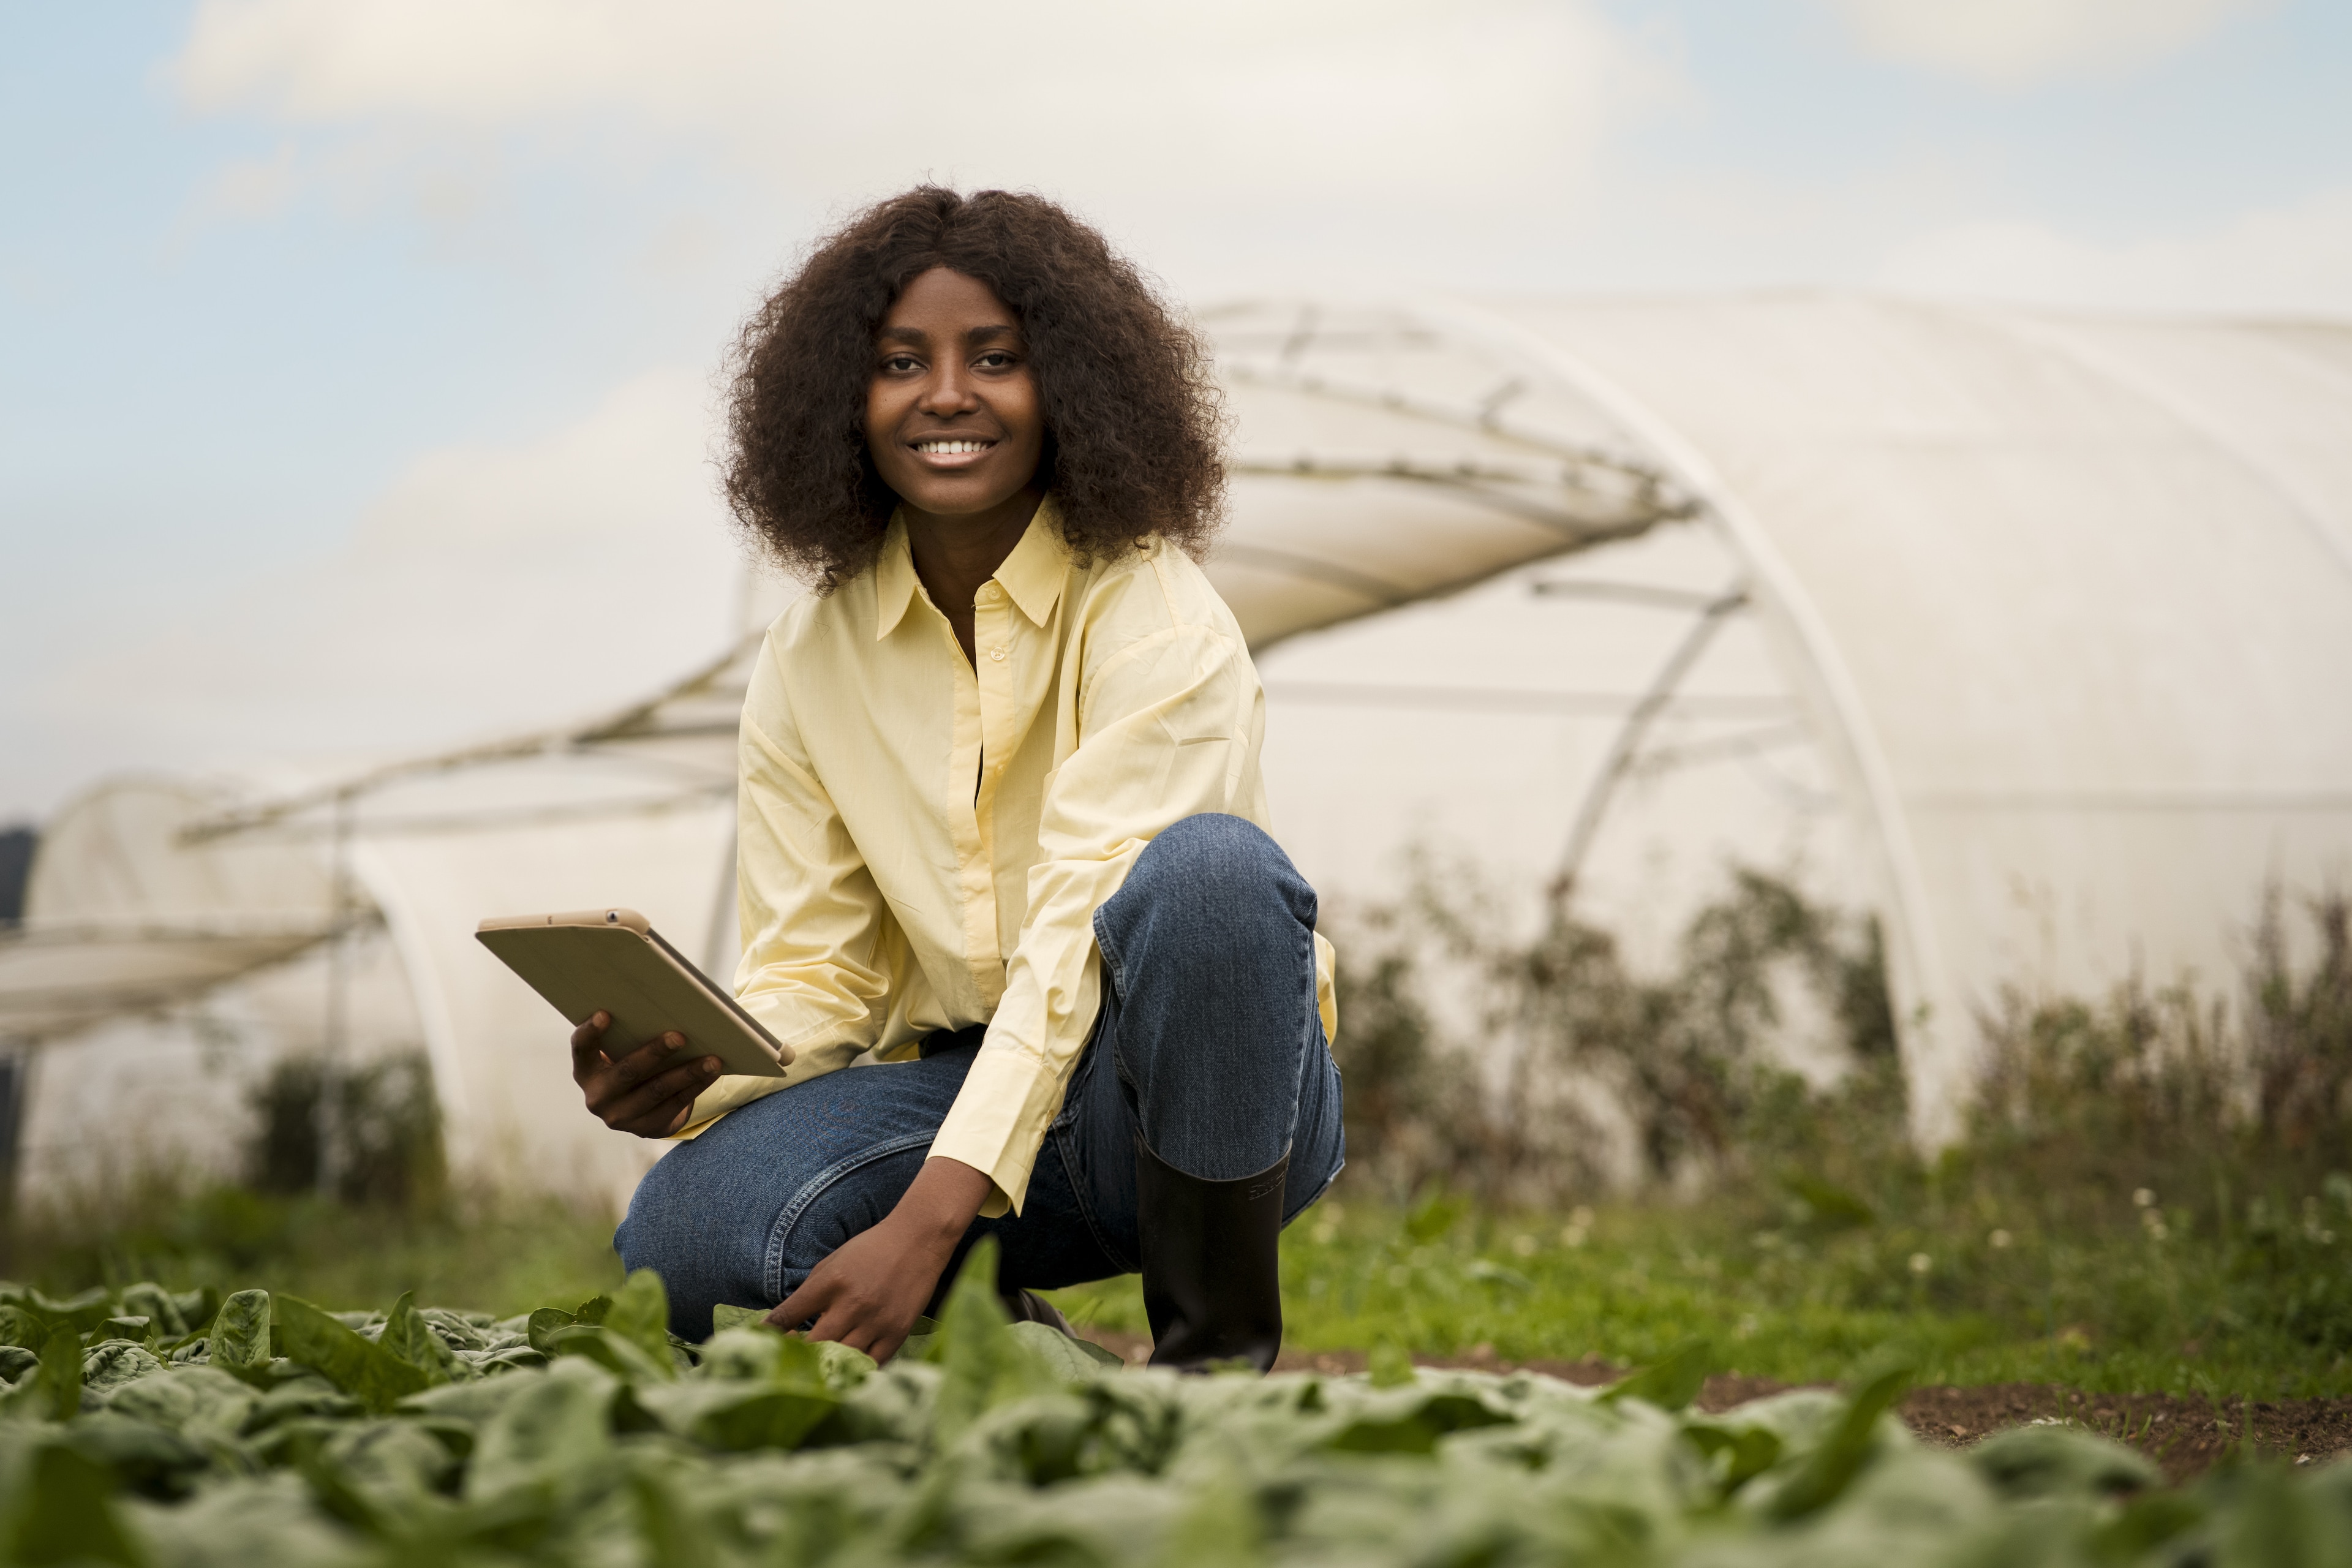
286	285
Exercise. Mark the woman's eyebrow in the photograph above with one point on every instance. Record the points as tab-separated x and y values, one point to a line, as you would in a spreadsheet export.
990	333
915	335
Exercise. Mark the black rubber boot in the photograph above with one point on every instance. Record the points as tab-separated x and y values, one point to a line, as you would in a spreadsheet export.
1211	1284
1028	1307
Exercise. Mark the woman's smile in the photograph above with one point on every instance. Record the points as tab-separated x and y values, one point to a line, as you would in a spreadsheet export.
953	452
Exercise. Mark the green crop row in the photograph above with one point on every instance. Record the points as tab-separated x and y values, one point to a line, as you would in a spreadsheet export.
177	1430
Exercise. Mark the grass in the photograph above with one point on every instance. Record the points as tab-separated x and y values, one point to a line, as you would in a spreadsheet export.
500	1257
2124	1310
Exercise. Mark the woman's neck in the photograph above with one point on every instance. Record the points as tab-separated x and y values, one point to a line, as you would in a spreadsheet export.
955	554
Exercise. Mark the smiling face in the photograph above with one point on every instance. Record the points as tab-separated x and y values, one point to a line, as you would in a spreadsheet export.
952	418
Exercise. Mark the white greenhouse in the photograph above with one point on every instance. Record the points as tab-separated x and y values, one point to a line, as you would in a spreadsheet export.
2031	634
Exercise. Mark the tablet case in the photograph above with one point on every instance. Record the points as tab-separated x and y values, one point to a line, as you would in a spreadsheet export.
613	961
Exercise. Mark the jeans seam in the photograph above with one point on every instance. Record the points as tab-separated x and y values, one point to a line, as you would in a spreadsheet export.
1102	945
1078	1193
772	1267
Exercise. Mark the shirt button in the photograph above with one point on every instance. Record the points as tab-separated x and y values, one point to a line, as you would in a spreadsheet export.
997	654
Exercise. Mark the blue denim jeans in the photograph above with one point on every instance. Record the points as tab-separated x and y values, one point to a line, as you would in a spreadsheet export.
1207	1045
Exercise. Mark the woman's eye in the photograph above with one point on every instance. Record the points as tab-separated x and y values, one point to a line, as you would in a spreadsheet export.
898	363
997	361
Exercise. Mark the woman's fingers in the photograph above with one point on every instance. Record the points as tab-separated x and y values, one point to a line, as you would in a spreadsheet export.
587	1046
850	1318
814	1295
656	1097
646	1060
620	1075
649	1092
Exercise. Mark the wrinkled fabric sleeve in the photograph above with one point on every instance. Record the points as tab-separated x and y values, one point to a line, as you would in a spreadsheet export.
1167	726
816	969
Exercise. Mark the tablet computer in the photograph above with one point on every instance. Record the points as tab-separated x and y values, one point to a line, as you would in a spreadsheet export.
613	961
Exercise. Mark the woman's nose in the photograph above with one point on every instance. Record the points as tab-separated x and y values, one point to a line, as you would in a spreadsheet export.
947	391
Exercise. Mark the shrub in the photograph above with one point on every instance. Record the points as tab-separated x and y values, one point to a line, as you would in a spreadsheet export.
1574	1052
384	1126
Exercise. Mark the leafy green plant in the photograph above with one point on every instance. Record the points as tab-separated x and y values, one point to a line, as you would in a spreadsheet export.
261	1430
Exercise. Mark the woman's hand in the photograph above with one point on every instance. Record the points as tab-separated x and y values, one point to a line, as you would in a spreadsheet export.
869	1291
650	1091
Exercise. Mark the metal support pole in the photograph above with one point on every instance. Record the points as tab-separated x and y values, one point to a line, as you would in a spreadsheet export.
1628	742
15	1070
327	1125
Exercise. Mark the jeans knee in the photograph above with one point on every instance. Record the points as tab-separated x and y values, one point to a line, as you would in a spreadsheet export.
1226	862
643	1231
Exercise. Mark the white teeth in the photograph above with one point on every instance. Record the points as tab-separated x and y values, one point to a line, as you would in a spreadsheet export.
950	448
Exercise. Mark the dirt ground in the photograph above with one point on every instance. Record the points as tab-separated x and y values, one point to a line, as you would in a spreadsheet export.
2185	1436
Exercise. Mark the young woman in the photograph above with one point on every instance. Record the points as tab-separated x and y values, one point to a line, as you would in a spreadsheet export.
1003	835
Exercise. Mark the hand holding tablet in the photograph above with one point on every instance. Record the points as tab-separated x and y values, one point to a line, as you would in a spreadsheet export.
612	963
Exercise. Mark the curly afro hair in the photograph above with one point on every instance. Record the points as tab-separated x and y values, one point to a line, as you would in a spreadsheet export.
1133	417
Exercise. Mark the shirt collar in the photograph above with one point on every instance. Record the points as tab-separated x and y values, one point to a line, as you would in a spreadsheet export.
1032	574
894	579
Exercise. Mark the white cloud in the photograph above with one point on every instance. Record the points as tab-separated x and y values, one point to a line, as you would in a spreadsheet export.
2286	260
1219	98
2008	43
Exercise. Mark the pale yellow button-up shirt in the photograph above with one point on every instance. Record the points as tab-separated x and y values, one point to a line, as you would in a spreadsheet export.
924	840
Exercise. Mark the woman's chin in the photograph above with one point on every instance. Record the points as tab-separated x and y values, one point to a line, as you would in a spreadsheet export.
950	498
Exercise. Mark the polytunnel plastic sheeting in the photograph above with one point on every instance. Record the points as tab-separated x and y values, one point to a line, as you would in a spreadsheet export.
122	917
118	853
2069	593
56	976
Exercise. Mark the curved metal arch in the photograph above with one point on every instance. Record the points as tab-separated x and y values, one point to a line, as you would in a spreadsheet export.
1486	422
1933	1053
1479	485
639	720
1625	747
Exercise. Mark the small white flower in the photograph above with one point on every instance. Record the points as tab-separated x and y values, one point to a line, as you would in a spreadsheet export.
2143	1197
1525	1245
1921	1263
1572	1237
1999	1239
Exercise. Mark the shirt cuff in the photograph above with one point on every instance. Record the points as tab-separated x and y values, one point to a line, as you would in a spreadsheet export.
999	1121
